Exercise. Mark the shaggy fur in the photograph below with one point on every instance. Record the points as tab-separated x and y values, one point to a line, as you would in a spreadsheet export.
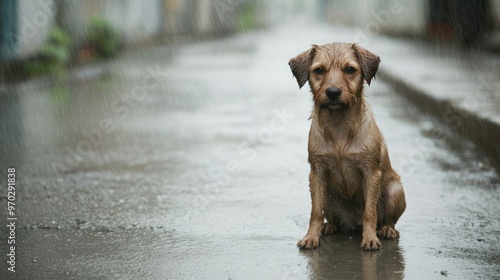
351	181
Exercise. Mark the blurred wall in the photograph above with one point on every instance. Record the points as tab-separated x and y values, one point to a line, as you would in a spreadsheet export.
200	16
276	11
495	9
8	30
384	16
137	20
469	23
35	18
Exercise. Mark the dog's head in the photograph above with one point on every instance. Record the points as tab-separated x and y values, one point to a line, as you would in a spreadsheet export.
335	72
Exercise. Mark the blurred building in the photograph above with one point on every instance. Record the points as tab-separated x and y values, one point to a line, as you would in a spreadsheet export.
464	22
25	24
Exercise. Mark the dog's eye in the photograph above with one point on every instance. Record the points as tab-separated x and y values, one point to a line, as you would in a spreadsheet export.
319	71
350	70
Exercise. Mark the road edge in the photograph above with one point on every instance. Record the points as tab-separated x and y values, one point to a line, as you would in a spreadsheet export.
482	132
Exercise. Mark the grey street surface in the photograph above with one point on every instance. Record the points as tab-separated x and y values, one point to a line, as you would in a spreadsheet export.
189	162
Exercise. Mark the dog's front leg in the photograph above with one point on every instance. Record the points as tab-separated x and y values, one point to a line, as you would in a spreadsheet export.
371	189
317	188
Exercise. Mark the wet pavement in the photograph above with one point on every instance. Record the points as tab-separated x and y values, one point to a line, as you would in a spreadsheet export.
190	162
457	86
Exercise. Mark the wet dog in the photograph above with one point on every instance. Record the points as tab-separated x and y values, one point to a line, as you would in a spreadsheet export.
351	181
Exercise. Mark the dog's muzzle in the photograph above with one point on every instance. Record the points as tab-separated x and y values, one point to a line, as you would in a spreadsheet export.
333	94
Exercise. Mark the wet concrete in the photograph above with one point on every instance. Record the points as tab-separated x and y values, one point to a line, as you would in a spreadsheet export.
461	91
190	162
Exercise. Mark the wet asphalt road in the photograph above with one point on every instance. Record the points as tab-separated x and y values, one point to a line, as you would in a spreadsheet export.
190	162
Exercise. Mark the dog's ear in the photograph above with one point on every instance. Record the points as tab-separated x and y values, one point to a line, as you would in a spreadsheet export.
369	62
300	65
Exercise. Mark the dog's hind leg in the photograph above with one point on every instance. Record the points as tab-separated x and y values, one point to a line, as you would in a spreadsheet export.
391	206
328	228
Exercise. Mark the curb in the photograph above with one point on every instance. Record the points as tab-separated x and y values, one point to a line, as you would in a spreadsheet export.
482	132
81	73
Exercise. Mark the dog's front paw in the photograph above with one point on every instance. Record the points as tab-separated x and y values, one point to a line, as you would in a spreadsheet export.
371	243
309	242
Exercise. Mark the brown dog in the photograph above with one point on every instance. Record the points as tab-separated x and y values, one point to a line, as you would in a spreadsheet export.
352	183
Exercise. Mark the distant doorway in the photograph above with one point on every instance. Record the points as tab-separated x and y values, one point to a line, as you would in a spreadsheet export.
463	21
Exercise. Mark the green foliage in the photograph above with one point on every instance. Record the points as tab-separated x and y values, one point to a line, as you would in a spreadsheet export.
247	16
59	37
54	55
103	37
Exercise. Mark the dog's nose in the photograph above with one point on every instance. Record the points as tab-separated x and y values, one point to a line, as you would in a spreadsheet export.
333	93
